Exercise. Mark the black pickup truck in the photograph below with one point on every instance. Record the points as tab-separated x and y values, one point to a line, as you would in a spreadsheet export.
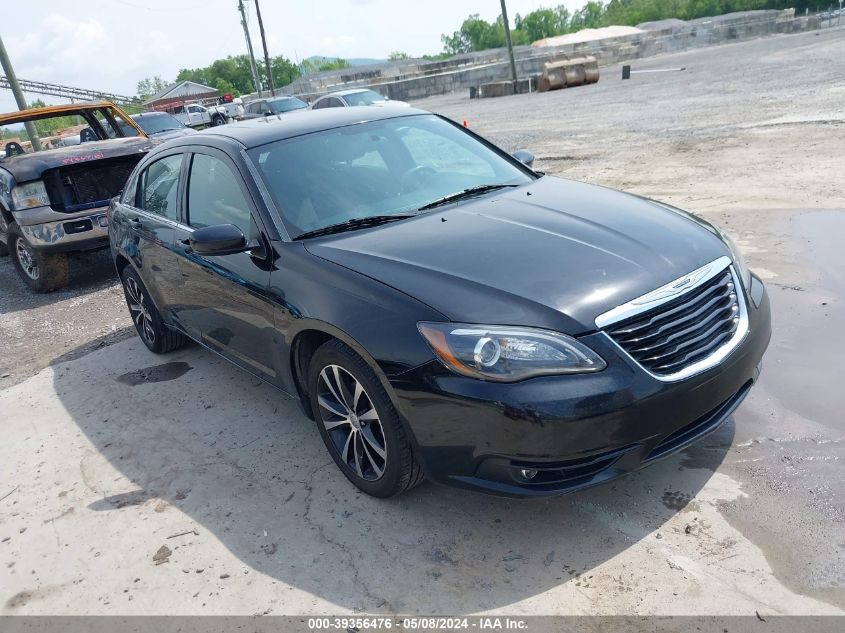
59	167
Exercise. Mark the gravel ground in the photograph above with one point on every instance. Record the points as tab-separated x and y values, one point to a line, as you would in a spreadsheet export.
749	136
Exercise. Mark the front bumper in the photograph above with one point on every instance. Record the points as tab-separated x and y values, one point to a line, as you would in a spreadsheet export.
575	431
79	232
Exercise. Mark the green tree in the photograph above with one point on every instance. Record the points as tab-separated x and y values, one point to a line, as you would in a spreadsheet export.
149	86
397	56
588	17
475	34
540	24
284	71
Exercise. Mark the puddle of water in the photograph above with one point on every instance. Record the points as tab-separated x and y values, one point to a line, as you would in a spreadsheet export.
156	373
804	364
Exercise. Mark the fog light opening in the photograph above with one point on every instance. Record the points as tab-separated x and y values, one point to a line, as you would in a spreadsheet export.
527	473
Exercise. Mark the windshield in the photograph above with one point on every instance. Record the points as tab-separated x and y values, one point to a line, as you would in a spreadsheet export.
52	131
365	97
156	123
393	166
286	105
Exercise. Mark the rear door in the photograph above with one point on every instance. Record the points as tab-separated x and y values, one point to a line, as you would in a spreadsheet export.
151	211
225	300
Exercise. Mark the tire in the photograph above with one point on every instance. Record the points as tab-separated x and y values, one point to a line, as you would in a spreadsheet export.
354	444
4	250
42	272
158	338
218	120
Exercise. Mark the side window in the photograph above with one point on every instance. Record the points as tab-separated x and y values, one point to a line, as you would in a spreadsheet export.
320	104
108	128
215	195
264	107
160	186
334	102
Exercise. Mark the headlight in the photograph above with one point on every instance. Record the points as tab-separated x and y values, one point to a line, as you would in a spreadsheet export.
508	354
739	262
30	194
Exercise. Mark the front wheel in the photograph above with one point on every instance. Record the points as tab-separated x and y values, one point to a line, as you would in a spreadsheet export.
158	338
42	272
359	424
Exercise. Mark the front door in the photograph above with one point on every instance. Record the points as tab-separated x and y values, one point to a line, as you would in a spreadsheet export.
225	298
150	210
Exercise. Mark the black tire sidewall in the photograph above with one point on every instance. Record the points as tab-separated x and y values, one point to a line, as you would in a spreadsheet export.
336	353
159	328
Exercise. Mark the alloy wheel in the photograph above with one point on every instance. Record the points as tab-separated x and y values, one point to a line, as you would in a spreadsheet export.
139	311
27	260
352	422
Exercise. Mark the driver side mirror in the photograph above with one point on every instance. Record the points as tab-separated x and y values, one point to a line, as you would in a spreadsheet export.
524	156
219	239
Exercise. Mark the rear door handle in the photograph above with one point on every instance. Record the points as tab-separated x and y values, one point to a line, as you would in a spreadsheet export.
136	222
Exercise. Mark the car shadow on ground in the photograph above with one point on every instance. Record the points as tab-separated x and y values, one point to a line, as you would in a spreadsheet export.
88	272
193	433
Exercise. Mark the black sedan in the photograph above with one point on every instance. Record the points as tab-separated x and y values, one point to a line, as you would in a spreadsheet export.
440	309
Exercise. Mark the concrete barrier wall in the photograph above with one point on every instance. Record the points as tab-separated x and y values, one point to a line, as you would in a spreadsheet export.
415	80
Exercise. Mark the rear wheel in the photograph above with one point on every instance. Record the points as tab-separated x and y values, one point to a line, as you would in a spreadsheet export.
42	272
359	424
158	338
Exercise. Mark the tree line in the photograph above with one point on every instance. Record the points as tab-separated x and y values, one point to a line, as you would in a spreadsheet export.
476	34
233	74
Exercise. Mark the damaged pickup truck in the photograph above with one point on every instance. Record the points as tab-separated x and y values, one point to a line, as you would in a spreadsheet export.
59	167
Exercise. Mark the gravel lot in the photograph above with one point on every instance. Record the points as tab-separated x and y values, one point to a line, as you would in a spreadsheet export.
96	475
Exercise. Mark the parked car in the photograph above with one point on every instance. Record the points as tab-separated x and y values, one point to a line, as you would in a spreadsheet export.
353	97
267	107
160	126
437	307
196	116
53	201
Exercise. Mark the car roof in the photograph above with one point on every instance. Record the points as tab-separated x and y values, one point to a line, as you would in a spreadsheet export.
66	108
254	132
141	115
350	91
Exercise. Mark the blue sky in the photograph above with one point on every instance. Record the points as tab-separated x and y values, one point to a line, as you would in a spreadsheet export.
111	44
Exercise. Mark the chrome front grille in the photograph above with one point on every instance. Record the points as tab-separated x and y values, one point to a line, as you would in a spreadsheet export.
680	335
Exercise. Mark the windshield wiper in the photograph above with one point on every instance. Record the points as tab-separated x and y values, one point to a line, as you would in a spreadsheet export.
354	223
461	195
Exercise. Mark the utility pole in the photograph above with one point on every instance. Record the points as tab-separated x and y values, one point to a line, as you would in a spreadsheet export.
255	78
16	90
266	56
510	43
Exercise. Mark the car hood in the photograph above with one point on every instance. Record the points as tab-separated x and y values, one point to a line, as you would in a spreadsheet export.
30	166
162	137
554	253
